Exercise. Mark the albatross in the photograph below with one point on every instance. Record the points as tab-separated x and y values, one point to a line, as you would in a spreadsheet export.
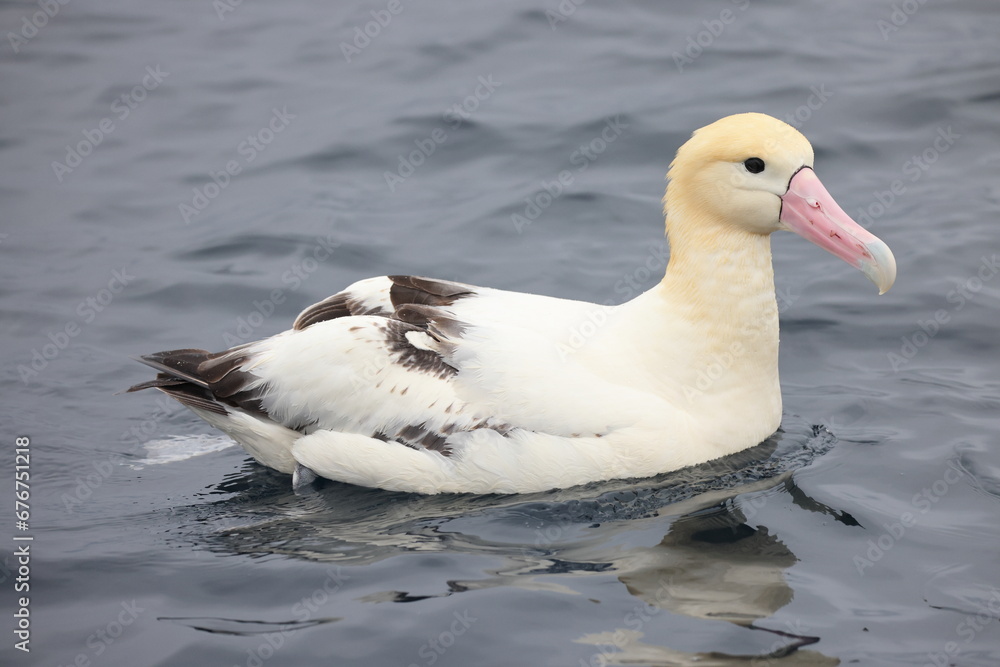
430	386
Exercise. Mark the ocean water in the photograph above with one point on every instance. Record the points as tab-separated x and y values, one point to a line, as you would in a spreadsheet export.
192	174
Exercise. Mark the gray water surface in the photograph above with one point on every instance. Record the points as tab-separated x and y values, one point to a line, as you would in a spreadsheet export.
193	174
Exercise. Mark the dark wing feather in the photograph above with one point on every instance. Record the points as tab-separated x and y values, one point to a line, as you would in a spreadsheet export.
431	319
426	291
410	357
403	290
185	392
216	382
206	380
342	304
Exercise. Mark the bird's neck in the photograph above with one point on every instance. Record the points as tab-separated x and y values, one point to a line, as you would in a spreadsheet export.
719	290
719	273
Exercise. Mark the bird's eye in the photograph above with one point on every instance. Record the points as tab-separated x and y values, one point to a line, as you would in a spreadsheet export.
754	165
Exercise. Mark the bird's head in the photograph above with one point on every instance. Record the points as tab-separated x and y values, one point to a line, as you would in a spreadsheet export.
754	173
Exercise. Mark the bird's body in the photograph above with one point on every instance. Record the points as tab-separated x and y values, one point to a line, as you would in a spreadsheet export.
414	384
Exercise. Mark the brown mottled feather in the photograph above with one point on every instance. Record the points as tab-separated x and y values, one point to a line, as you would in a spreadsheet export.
430	318
425	291
216	382
414	358
405	290
338	305
218	376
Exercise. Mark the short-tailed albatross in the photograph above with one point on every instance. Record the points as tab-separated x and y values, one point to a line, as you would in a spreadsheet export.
430	386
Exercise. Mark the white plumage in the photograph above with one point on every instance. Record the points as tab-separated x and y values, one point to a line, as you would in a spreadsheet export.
413	384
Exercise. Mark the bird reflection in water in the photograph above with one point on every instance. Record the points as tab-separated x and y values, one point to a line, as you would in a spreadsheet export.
712	564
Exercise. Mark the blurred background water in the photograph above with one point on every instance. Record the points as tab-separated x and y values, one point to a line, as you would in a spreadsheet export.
194	173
